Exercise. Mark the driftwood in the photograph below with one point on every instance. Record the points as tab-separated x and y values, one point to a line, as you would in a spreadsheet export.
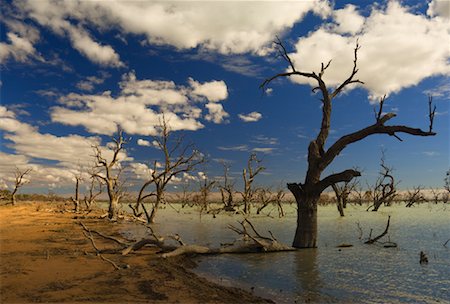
88	234
250	242
375	239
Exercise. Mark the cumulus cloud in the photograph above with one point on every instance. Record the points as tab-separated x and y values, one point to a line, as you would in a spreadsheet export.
143	142
90	82
68	152
250	117
213	90
226	27
399	49
20	42
439	8
139	106
216	113
65	18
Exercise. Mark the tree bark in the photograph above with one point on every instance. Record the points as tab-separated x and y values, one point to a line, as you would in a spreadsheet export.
306	232
113	208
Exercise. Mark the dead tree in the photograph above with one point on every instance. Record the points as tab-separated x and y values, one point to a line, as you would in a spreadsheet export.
320	155
251	241
95	190
178	159
19	181
78	176
227	189
267	197
185	197
201	199
384	190
447	181
342	191
248	176
112	170
436	195
414	196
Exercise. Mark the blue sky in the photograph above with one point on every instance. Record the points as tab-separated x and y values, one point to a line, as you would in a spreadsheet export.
72	70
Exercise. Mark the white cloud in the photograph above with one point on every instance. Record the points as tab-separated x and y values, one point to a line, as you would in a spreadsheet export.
90	82
58	16
348	20
19	48
263	150
138	107
69	152
234	148
398	50
143	142
226	27
101	54
439	8
213	90
250	117
216	113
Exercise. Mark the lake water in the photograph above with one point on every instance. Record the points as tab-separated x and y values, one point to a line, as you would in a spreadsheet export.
362	273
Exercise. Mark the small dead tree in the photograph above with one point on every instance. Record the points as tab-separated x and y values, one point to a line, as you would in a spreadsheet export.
178	159
112	171
95	190
342	191
435	195
248	175
266	197
384	190
201	199
227	189
19	181
185	196
78	176
415	196
320	153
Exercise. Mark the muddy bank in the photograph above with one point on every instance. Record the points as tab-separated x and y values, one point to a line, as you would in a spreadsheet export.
46	258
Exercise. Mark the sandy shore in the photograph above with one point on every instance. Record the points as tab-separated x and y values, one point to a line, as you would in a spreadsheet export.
46	258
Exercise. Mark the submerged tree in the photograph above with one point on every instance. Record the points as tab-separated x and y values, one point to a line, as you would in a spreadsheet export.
384	190
248	176
178	159
320	157
227	189
342	192
19	181
112	172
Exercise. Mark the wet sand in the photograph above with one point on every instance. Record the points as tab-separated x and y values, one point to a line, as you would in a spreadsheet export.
44	257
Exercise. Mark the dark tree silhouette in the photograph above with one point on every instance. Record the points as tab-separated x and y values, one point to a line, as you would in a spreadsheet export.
320	157
19	181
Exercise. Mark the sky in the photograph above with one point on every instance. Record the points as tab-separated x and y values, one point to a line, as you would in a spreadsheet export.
71	71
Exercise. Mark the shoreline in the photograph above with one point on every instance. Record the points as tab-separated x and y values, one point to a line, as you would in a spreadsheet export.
46	258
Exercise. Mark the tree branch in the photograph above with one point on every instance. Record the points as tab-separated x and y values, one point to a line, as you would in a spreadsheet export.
344	176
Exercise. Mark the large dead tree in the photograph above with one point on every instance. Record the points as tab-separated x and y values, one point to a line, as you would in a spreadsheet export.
178	159
321	156
19	181
112	170
248	176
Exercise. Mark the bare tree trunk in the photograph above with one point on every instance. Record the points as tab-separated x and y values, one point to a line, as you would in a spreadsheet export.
13	198
306	232
113	208
151	218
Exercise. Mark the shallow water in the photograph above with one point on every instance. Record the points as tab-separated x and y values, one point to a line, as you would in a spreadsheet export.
362	273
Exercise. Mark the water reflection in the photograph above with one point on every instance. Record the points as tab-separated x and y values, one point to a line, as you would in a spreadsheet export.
307	273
